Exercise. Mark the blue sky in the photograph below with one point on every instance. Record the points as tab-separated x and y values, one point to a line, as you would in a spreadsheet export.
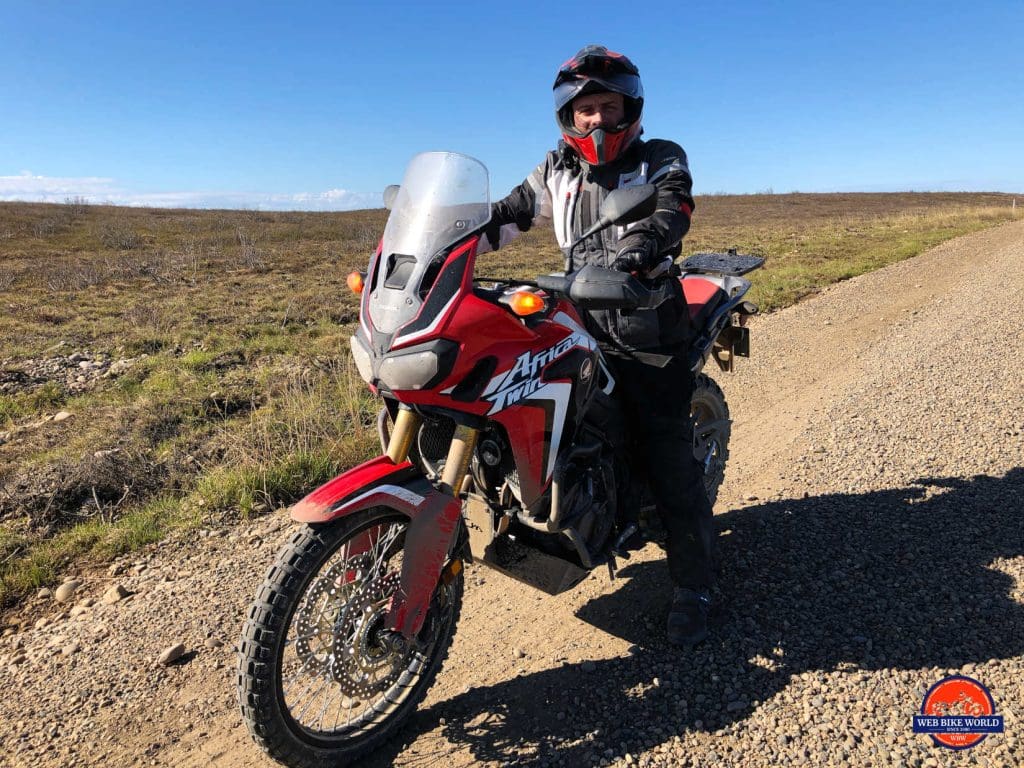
320	105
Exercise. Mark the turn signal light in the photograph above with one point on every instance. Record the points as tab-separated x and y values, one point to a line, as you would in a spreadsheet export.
355	281
524	303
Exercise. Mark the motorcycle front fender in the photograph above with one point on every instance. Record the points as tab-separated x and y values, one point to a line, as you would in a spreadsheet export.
335	498
433	527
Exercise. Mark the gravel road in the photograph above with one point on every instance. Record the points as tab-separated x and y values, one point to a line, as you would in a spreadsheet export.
870	543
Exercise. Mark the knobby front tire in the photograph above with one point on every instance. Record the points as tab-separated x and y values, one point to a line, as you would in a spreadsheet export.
319	681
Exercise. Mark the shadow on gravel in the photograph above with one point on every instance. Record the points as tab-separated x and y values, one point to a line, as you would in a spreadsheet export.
888	579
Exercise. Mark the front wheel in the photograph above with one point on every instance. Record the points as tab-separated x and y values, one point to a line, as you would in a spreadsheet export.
711	430
321	681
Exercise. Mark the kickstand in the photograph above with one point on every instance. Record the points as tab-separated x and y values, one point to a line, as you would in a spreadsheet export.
611	567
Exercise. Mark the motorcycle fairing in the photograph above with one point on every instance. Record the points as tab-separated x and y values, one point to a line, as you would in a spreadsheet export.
525	377
433	523
532	399
452	280
442	201
436	293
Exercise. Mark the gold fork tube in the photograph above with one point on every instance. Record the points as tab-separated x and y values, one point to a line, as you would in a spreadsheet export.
407	423
459	455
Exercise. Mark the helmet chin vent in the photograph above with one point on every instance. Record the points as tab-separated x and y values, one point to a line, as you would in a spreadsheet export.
599	146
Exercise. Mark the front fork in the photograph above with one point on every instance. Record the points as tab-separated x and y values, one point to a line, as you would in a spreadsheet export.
434	531
460	453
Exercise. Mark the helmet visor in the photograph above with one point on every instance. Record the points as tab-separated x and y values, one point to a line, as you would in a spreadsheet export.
626	84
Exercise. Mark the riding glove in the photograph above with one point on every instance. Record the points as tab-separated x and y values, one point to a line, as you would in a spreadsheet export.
637	258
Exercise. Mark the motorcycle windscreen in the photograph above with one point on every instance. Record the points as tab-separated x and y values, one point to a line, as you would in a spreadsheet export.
443	197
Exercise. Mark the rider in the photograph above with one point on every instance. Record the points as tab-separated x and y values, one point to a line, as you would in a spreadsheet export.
598	104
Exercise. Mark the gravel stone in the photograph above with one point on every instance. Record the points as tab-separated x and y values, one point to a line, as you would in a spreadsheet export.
66	591
115	594
171	654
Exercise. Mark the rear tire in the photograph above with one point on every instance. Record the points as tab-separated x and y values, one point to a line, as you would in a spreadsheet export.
711	431
314	639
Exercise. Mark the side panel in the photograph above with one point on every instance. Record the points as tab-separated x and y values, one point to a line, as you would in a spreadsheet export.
528	426
700	292
532	401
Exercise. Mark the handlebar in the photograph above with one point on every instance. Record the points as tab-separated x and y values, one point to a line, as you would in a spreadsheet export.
594	287
555	283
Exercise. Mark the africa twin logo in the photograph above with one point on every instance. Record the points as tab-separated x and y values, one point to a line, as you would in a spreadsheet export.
523	378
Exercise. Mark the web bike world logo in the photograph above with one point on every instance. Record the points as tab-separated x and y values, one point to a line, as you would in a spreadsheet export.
958	713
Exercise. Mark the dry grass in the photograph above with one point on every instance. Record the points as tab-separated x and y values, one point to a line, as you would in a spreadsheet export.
245	397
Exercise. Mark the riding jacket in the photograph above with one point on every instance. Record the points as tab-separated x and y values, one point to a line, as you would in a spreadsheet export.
568	192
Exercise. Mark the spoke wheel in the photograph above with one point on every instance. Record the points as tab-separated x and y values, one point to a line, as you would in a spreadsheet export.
711	430
321	681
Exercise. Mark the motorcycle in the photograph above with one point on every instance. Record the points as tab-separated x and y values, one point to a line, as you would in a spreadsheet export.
502	444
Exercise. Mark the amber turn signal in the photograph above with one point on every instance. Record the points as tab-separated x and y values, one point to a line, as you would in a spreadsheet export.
355	281
524	303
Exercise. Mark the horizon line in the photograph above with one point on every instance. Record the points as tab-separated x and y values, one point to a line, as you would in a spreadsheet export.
81	200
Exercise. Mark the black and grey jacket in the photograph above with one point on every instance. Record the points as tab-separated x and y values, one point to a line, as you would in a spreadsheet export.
569	192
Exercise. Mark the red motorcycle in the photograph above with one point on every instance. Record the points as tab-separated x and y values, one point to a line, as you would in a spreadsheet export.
503	443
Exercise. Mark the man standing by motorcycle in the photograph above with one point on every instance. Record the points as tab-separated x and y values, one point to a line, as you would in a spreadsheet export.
598	104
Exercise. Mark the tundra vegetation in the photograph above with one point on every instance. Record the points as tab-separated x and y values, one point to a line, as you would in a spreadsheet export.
168	369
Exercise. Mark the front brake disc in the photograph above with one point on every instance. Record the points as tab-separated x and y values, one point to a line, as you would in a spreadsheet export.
325	602
362	662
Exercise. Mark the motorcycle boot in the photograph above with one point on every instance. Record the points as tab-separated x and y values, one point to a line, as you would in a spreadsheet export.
688	616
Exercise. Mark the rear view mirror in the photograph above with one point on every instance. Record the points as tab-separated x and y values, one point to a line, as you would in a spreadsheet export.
623	206
629	204
390	193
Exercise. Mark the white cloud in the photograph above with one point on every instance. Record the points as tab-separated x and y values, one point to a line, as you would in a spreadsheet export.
29	187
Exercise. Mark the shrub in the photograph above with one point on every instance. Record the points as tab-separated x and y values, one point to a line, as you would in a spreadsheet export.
119	236
70	274
51	225
249	256
76	205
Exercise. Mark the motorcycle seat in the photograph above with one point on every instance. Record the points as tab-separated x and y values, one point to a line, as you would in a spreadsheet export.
702	297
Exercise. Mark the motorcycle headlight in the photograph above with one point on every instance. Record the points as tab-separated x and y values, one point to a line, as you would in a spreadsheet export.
412	371
364	361
420	367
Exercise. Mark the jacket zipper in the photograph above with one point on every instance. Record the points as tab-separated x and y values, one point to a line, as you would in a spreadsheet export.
570	210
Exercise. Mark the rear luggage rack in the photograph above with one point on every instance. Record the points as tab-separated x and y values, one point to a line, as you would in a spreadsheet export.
730	263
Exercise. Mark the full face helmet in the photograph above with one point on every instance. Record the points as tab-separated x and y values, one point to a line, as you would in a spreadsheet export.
595	69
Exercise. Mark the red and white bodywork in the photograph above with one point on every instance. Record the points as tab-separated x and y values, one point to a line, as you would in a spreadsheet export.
431	340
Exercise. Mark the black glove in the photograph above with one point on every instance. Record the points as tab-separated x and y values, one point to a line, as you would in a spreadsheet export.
523	220
638	257
493	233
